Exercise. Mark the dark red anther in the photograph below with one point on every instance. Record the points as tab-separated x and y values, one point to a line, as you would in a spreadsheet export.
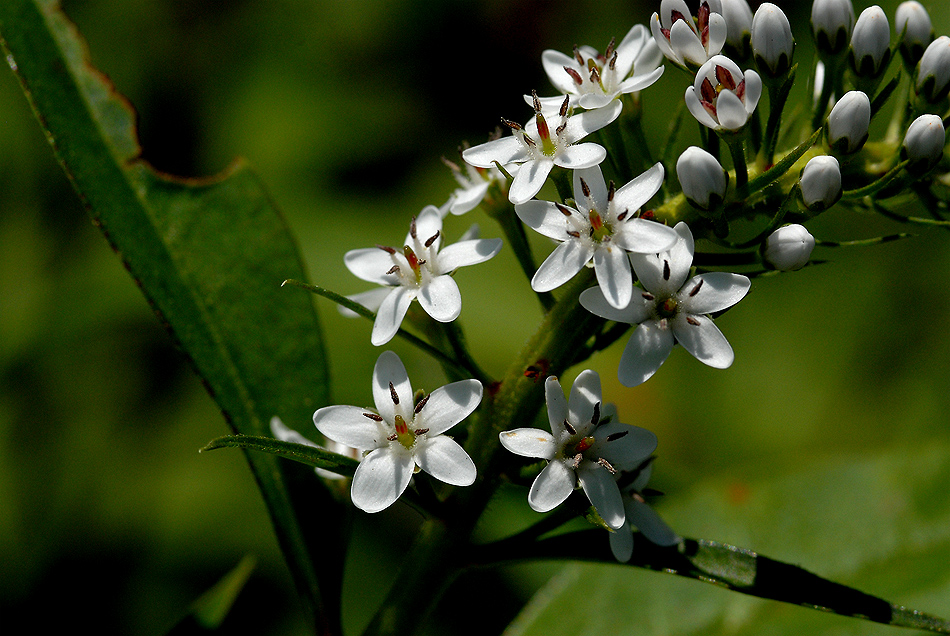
393	270
573	234
707	91
511	124
565	105
563	209
676	15
695	290
724	77
560	129
577	56
666	270
740	91
536	101
615	436
412	228
570	429
702	16
421	404
704	37
648	296
574	75
595	418
595	75
392	393
613	61
692	321
610	49
611	189
622	215
432	239
420	431
373	416
388	250
585	188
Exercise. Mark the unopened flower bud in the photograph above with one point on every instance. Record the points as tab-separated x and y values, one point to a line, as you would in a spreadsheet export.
738	17
913	27
788	248
923	143
870	43
848	122
702	178
772	41
831	23
821	183
933	71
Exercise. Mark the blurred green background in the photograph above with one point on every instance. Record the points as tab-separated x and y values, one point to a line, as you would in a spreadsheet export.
826	444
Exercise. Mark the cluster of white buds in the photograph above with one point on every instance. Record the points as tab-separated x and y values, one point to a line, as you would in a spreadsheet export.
849	122
913	27
870	44
832	22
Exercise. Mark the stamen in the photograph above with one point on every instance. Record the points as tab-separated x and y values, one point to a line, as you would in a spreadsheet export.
724	77
432	238
388	250
373	416
692	321
740	91
648	296
420	431
611	190
610	48
537	102
577	56
707	91
702	16
696	289
676	15
528	140
570	429
666	270
412	228
615	436
451	164
613	61
603	462
393	437
585	188
565	105
392	393
393	270
573	233
560	129
574	75
622	215
596	416
595	76
511	124
421	404
566	211
577	460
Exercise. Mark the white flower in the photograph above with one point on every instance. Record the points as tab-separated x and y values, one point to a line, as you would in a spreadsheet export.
604	227
684	42
400	435
870	43
417	271
821	183
772	41
594	79
286	434
912	25
738	17
789	247
671	307
831	23
701	177
538	148
643	517
924	142
722	97
581	447
848	122
473	186
932	79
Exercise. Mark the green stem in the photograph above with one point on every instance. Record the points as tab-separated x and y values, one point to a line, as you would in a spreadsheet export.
736	145
513	228
562	181
778	96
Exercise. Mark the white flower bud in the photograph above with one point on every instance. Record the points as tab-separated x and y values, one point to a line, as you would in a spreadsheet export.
702	178
738	17
821	183
933	71
923	143
772	42
912	24
789	248
848	122
870	43
831	23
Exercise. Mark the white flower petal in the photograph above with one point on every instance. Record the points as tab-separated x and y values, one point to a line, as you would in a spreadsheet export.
585	394
428	224
371	299
639	82
602	490
466	199
697	109
371	264
564	262
753	90
648	348
444	459
581	155
389	369
557	405
719	290
613	274
441	298
551	487
686	43
529	180
621	544
553	63
634	313
529	442
448	405
503	150
579	126
661	40
731	111
644	237
649	523
681	256
391	312
348	426
592	101
704	341
629	49
594	178
544	217
380	479
639	190
663	274
465	253
717	34
628	451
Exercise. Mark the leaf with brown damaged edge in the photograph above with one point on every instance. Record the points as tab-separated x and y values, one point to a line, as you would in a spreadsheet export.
210	256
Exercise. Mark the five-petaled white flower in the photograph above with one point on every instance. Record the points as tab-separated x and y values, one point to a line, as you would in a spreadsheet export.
671	307
538	148
722	97
473	185
593	79
684	42
581	447
605	226
417	271
641	516
400	435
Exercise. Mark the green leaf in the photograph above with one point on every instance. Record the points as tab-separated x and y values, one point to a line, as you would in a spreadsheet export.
210	257
212	607
309	455
784	164
899	552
